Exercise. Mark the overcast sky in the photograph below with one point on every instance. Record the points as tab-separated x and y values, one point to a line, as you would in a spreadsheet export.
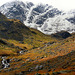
60	4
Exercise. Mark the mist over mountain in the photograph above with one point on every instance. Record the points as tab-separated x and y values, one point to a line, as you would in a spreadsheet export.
43	17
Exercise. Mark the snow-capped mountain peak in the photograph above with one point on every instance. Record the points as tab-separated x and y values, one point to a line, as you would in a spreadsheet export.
43	17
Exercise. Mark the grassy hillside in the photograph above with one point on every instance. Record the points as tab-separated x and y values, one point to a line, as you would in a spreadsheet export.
12	29
57	58
41	54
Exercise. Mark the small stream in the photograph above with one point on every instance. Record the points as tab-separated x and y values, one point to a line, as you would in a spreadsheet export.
5	62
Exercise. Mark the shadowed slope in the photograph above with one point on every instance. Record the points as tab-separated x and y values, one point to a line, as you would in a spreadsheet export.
12	29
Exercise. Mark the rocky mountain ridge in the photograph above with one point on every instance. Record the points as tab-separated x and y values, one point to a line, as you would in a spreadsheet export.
43	17
34	16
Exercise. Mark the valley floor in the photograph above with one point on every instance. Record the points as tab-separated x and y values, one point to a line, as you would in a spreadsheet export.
56	57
